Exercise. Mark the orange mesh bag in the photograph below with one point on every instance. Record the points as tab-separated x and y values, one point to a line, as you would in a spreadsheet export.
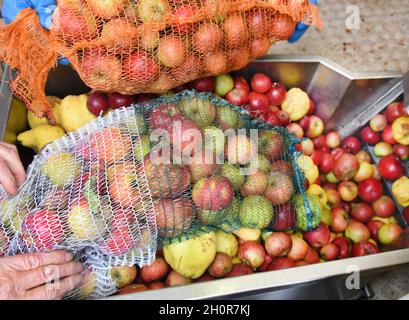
130	46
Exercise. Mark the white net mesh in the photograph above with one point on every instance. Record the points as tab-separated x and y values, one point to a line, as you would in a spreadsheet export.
100	193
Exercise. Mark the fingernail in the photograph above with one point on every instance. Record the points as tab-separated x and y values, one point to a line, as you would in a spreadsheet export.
68	256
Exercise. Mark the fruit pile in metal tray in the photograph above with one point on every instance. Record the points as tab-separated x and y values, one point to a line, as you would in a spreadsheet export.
359	183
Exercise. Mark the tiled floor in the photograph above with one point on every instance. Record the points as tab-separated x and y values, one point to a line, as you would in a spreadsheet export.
380	44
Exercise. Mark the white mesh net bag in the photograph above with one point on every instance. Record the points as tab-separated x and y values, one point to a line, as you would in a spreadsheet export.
101	194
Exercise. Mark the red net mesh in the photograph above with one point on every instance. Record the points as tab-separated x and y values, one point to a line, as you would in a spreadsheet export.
153	46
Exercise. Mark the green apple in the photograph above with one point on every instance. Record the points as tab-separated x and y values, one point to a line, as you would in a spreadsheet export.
224	84
199	110
213	140
151	11
141	148
326	216
84	224
61	168
262	162
140	123
232	172
256	212
227	118
123	276
211	217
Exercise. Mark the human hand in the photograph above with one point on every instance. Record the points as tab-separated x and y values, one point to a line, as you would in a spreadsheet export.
29	276
301	28
12	173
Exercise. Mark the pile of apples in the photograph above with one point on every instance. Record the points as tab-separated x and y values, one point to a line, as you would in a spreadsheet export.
163	43
358	215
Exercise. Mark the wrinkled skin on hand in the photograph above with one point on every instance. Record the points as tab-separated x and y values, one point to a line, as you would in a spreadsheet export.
24	277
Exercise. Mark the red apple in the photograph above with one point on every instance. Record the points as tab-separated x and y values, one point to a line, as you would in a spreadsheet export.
205	277
276	94
282	27
374	226
304	122
238	97
252	253
100	73
362	212
364	248
394	111
97	103
156	286
267	261
344	247
315	127
401	151
284	218
281	263
155	272
345	167
378	123
406	215
241	82
329	252
284	117
357	231
391	168
351	144
133	288
258	22
183	15
259	47
320	142
312	107
258	101
296	130
370	136
206	38
239	270
389	233
236	30
140	68
190	69
270	117
312	256
318	237
117	100
316	157
278	244
260	82
327	163
204	84
221	265
370	190
42	230
387	135
384	207
339	220
336	153
333	140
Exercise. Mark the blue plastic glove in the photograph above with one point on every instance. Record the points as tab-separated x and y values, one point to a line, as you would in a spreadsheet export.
301	28
44	8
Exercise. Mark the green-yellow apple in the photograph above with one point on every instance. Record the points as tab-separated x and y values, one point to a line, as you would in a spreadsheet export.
213	139
123	276
141	148
83	223
61	168
227	118
232	172
199	110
